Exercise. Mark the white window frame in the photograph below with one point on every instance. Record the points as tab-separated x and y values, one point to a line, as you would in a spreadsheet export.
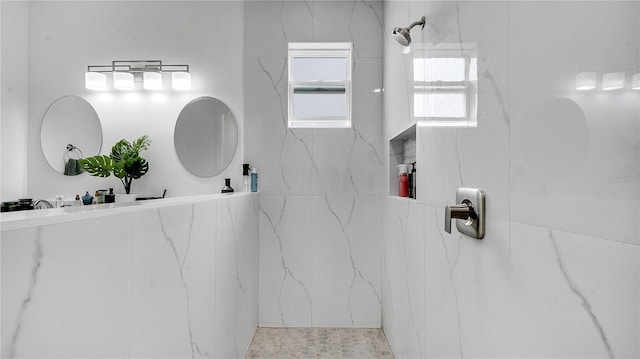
320	50
468	87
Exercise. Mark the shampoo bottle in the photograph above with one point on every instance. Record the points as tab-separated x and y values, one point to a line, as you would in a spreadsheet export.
245	178
403	181
254	180
410	175
415	182
227	186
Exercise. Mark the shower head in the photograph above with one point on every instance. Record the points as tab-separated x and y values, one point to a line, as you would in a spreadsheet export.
402	34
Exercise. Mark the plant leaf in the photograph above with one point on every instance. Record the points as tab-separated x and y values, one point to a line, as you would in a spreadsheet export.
122	150
141	144
136	167
119	170
100	166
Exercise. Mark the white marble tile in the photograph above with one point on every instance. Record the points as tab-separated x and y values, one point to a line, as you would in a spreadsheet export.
285	261
409	262
572	295
236	270
283	21
573	149
283	157
357	21
65	289
347	253
476	276
162	312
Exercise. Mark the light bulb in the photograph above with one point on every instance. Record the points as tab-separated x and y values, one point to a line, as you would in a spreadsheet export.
122	80
152	81
181	80
95	80
586	81
613	81
635	82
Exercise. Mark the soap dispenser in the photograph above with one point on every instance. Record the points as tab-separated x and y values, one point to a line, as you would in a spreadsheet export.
245	178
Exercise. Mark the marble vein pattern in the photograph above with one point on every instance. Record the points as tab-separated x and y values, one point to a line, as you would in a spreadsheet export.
307	343
307	172
37	262
585	303
179	281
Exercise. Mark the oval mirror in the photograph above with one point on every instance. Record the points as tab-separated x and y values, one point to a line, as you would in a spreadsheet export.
205	136
70	130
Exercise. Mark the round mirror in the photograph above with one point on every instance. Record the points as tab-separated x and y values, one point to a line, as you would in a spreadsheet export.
206	136
70	131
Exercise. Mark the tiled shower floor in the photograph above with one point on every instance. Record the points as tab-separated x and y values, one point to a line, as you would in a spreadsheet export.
305	343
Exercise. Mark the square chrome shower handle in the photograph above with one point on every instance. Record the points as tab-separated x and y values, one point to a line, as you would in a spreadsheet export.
469	211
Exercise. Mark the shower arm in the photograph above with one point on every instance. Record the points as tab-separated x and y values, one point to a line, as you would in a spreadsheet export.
422	21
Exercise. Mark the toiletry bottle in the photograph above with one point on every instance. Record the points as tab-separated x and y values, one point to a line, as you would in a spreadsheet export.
59	201
415	181
110	198
403	181
410	176
245	177
96	196
254	180
87	199
227	186
77	201
101	195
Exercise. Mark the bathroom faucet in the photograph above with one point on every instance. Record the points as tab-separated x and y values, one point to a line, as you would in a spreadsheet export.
42	203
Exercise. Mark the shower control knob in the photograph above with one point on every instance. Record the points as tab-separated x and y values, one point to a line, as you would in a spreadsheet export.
469	213
458	211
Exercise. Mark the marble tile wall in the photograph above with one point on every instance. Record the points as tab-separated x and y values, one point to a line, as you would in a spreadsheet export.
172	282
557	274
321	189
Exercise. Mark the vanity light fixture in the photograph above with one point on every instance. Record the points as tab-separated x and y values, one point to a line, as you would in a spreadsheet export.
123	80
613	81
635	82
586	81
152	80
181	80
126	73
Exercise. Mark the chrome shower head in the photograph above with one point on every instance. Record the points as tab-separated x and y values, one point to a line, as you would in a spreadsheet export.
402	34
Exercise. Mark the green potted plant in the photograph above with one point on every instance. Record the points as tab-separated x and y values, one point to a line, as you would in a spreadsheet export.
124	162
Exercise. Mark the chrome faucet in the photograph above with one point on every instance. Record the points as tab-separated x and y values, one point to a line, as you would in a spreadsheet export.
42	204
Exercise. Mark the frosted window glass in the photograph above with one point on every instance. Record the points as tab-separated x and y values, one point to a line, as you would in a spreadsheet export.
319	105
441	69
418	69
443	105
318	68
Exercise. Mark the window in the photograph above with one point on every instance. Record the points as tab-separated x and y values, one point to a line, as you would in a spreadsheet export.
445	87
320	85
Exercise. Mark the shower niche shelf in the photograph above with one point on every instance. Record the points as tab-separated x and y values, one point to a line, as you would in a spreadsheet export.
402	150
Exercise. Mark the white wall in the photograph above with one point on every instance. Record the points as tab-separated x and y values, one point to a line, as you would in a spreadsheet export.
66	37
557	273
164	280
14	99
320	203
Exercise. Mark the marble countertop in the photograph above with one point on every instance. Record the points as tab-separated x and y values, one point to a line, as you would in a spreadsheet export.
23	219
